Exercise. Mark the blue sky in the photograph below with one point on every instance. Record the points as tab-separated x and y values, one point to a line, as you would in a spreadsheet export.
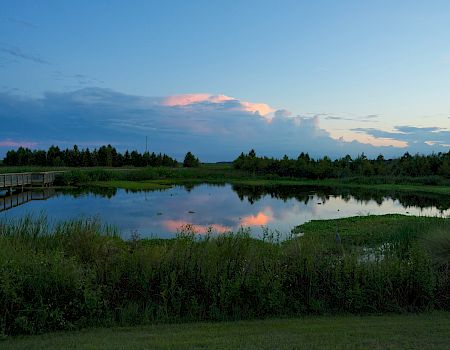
327	77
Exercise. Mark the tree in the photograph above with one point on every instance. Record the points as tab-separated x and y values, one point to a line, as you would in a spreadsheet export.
190	161
39	158
76	157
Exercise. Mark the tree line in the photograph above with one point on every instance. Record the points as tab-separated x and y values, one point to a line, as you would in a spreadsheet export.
305	166
104	156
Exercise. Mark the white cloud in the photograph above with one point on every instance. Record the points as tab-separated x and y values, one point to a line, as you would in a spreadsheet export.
215	127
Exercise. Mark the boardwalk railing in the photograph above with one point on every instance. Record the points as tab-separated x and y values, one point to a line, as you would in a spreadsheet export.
43	179
14	180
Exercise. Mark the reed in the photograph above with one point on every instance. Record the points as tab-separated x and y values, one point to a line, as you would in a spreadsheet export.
81	273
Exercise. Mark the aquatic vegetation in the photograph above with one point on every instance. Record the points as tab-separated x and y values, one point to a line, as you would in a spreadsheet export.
81	273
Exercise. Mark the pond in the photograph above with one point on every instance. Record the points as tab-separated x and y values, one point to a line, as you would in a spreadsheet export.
222	208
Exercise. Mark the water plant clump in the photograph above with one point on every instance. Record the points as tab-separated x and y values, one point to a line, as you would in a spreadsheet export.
81	273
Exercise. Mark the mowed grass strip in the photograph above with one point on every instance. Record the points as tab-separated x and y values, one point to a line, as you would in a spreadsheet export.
410	331
132	185
167	183
412	188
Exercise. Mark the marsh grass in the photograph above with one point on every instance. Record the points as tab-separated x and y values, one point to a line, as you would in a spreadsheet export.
221	173
438	246
83	176
81	273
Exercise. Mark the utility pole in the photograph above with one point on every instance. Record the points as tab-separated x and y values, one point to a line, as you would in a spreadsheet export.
145	144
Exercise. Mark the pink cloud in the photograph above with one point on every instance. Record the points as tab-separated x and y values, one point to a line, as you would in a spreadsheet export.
15	144
177	225
260	219
262	109
185	100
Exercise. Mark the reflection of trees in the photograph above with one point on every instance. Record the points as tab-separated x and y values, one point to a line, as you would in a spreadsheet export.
300	193
109	192
82	191
305	194
189	186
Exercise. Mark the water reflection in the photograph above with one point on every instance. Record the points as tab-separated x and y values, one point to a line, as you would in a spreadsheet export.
223	207
15	199
305	194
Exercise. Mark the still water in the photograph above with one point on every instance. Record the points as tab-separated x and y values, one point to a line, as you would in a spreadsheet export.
222	208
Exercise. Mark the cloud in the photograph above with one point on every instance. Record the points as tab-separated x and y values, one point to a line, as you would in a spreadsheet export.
415	137
365	119
214	127
19	22
78	78
15	144
280	113
17	52
217	101
189	99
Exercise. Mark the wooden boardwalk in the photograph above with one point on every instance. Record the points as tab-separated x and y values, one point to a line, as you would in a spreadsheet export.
11	181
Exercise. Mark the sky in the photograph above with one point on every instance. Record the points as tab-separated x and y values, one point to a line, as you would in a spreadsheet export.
221	77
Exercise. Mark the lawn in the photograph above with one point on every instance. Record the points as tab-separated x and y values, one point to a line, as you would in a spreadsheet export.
410	331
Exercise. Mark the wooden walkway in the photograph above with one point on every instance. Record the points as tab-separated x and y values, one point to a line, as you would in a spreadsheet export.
11	181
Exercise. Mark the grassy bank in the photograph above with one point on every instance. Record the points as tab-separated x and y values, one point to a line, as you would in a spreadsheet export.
159	177
167	183
373	229
416	188
131	185
81	274
154	178
424	331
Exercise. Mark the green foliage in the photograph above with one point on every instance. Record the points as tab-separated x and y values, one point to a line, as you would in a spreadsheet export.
429	167
163	175
80	273
191	161
105	156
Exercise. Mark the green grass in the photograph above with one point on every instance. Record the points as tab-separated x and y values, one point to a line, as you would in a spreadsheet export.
168	182
82	274
415	188
132	185
424	331
375	229
219	174
149	178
